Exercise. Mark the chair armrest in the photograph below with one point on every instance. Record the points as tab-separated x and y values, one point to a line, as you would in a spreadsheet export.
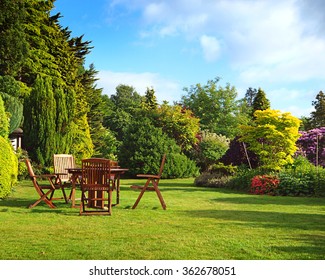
45	176
62	173
148	176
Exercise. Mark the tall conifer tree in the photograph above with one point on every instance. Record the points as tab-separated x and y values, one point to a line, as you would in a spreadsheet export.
40	118
260	102
318	116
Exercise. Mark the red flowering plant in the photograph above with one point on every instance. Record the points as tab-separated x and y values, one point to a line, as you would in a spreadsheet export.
264	184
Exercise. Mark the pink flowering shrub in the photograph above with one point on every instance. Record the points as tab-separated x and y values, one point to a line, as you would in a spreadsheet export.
312	143
264	184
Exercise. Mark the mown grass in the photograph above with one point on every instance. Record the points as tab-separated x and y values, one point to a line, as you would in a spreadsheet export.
199	224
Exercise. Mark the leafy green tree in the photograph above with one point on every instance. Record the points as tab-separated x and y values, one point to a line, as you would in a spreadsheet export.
317	117
124	105
216	107
272	137
127	99
179	124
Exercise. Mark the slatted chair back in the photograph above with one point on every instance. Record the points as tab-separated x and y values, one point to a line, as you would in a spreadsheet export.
95	184
61	163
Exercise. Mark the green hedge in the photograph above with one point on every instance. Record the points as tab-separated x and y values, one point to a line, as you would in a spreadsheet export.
8	167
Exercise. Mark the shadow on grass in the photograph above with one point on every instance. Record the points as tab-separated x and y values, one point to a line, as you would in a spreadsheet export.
264	219
24	203
314	247
276	200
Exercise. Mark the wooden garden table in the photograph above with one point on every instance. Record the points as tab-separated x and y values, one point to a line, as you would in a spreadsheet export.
76	174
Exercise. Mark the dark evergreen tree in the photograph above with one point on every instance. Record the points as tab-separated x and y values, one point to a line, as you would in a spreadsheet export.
11	94
260	101
13	44
105	144
317	117
14	108
40	115
250	96
150	99
54	54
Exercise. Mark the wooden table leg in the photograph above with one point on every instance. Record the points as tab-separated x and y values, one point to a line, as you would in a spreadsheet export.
117	189
73	190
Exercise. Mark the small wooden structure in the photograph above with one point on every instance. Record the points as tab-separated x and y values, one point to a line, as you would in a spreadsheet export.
16	138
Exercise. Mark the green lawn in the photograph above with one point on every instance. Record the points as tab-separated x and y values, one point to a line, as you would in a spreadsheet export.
199	223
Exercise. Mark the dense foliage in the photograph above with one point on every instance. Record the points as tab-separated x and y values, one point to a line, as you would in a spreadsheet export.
4	124
8	167
12	95
13	45
302	179
210	149
142	149
178	123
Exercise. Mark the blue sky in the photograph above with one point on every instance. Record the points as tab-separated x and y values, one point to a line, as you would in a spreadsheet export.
171	44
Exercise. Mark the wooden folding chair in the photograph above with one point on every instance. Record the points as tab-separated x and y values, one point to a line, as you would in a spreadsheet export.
154	180
45	191
61	163
96	182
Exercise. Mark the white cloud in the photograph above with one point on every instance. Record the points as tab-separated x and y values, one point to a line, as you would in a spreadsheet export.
262	39
298	111
165	89
211	48
298	102
278	45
